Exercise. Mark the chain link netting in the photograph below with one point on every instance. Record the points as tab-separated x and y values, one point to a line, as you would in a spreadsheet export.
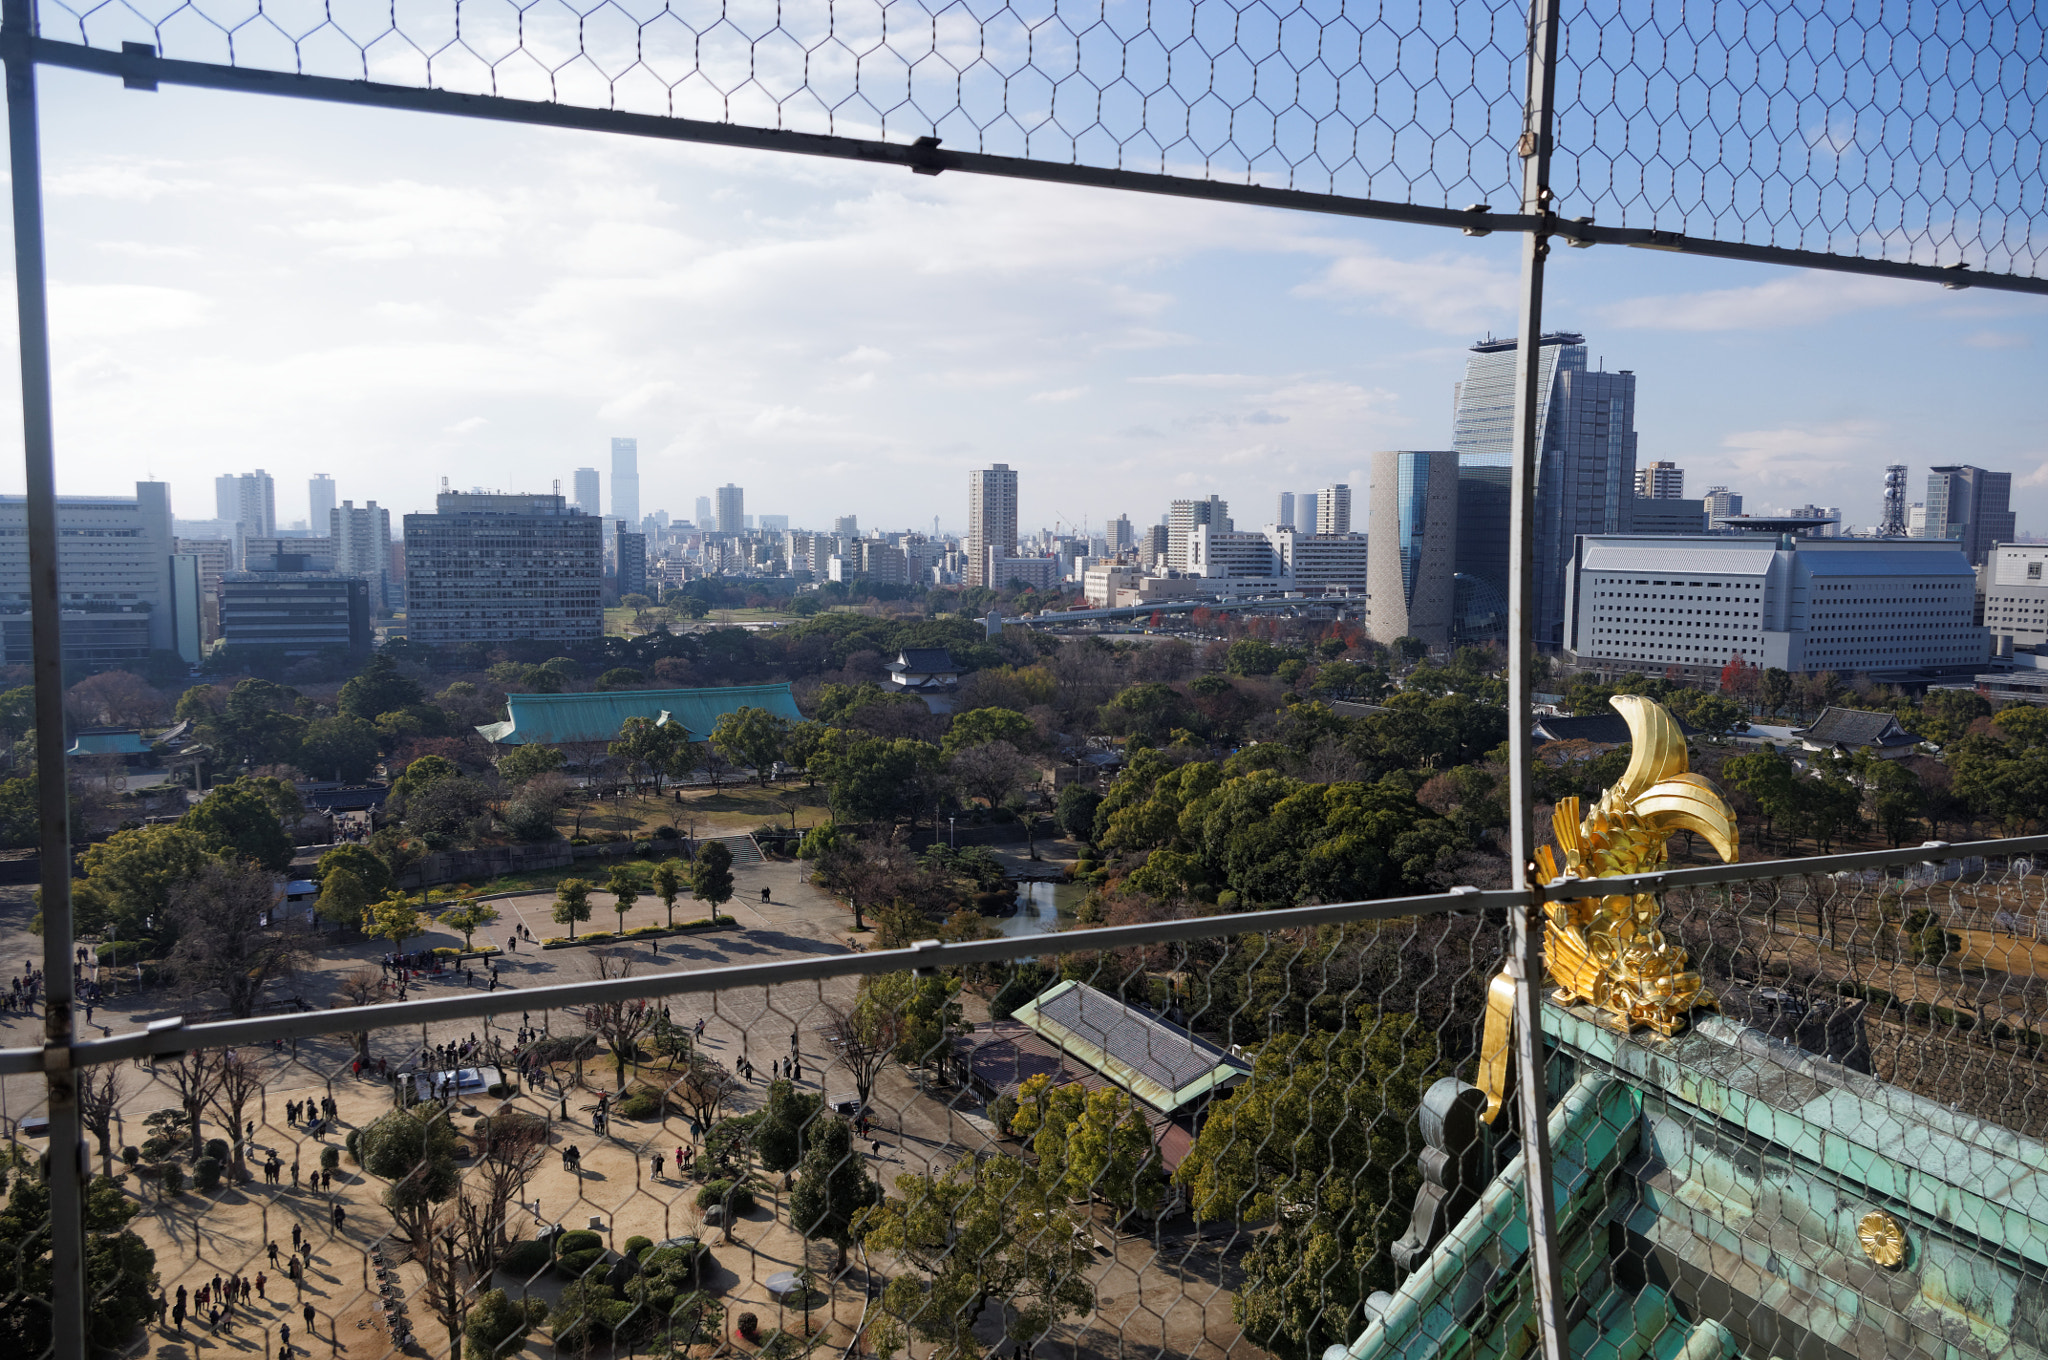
1907	132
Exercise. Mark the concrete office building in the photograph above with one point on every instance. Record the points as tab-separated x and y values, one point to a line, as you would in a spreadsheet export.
1304	512
1889	608
1038	573
249	502
1155	544
1181	519
1333	511
1277	558
1586	460
1119	535
319	502
362	547
1411	562
626	480
1660	481
298	613
847	526
731	516
1722	503
1322	560
492	568
288	554
2015	590
1669	515
586	486
704	513
631	550
991	522
114	578
1230	552
774	524
213	558
1969	505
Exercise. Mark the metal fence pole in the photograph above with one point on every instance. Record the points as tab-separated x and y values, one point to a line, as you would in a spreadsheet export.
1527	961
67	1147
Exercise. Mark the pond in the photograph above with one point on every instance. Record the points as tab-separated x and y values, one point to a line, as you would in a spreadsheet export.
1037	912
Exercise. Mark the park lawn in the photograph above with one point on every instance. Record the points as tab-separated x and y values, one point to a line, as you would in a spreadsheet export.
735	808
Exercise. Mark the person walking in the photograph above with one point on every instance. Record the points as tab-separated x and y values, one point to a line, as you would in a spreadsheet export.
657	1166
308	1312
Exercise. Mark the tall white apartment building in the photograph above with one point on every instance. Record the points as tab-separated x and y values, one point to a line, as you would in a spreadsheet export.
319	501
1882	607
732	509
362	547
1660	481
1722	503
1182	518
626	480
586	485
991	522
249	502
1333	511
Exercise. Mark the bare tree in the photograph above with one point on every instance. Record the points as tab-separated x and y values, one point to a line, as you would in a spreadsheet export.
619	1023
703	1089
361	987
865	1037
194	1076
99	1095
237	1081
991	771
510	1147
223	943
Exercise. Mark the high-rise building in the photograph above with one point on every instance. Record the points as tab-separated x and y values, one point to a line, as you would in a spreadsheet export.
704	512
114	578
1893	522
586	484
1333	511
991	521
1155	545
295	612
249	501
1660	481
626	480
847	526
631	549
1305	512
732	509
774	524
1283	515
1586	456
1119	535
1411	559
492	568
362	547
1480	593
1722	503
1181	519
1971	505
319	501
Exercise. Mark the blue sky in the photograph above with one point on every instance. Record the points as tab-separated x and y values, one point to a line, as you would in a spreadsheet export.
391	298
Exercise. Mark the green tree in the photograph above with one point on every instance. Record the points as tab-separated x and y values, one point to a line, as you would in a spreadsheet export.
497	1326
625	891
359	860
423	774
1774	689
1075	811
20	827
711	875
981	725
393	918
257	725
660	749
469	918
343	897
752	737
340	748
414	1151
572	903
787	1118
376	690
239	820
523	763
1099	1140
129	878
1896	798
833	1187
878	779
120	1270
1318	1141
988	1230
669	879
1251	656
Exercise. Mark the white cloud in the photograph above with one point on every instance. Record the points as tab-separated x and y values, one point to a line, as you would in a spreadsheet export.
1804	457
1999	340
101	311
123	178
1801	299
469	426
1063	394
1458	293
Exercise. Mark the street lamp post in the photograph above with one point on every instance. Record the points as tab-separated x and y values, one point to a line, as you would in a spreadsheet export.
951	843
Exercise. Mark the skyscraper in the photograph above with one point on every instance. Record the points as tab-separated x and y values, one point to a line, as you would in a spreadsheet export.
1181	519
248	499
1284	516
991	520
1411	559
1333	510
732	509
362	547
319	501
847	526
586	489
1586	456
1661	481
1971	505
1118	536
704	513
631	550
626	480
492	567
1721	503
1305	512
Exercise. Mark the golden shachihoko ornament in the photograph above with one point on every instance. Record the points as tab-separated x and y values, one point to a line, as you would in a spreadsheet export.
1608	951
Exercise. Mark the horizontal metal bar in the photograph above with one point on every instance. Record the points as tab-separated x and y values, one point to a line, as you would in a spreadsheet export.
1748	871
1948	276
925	156
473	1005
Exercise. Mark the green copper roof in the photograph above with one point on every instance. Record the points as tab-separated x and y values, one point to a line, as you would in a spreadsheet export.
553	719
108	744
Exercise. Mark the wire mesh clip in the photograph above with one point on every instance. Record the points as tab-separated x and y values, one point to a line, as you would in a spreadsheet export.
133	77
923	970
1476	230
924	156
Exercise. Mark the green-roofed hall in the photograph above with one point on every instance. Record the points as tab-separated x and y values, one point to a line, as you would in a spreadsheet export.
559	719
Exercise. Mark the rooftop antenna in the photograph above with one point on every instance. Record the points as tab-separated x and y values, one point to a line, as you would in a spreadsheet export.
1894	522
444	486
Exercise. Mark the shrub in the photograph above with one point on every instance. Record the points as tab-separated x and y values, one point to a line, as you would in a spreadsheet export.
667	833
643	847
582	1239
524	1259
636	1245
579	840
595	937
573	1265
498	1090
174	1178
130	950
206	1173
640	1105
354	1137
716	1191
217	1148
1002	1111
131	1155
330	1159
641	932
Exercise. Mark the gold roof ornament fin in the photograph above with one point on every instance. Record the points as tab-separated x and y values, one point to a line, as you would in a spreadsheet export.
1609	952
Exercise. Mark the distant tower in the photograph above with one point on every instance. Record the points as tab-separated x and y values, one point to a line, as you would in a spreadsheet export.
1894	522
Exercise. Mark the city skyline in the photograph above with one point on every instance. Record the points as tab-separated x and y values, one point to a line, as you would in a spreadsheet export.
835	338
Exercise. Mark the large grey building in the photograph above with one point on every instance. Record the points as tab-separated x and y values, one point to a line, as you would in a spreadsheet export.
631	550
2015	587
732	509
319	501
248	501
991	522
1888	608
114	578
1972	506
626	480
1181	519
297	613
1411	560
1586	464
585	486
493	568
362	547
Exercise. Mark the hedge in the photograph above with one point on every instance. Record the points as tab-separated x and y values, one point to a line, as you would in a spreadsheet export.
636	933
525	1259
